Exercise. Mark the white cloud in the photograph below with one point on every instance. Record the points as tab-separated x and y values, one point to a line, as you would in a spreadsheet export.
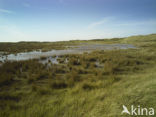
101	22
6	11
12	33
110	27
136	23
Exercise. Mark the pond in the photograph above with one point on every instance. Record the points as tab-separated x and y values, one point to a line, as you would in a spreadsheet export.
73	50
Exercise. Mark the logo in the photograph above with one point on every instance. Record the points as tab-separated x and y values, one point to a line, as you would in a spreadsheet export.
137	110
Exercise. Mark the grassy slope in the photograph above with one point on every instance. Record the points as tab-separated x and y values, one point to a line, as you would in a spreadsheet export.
97	96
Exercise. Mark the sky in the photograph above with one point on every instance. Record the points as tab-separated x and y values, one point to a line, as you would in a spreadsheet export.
59	20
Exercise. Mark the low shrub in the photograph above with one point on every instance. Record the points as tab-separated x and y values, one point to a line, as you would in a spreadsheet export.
34	87
74	61
31	79
42	75
7	96
58	84
5	79
43	91
88	86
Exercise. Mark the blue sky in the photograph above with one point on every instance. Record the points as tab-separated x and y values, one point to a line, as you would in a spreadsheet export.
57	20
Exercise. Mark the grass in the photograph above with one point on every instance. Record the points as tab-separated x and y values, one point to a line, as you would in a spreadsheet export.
31	46
80	88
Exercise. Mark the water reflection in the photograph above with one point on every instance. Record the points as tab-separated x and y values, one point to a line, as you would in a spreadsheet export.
75	50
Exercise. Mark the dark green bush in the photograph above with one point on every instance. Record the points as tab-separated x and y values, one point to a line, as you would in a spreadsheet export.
88	86
43	75
58	84
5	79
43	91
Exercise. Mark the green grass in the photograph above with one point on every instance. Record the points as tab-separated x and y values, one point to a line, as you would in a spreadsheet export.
31	46
80	88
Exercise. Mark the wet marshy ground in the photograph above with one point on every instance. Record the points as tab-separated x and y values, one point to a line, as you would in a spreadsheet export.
72	50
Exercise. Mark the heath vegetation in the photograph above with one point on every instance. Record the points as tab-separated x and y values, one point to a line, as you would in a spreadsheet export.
81	85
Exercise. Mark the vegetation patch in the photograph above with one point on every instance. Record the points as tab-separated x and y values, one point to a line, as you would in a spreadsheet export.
89	84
